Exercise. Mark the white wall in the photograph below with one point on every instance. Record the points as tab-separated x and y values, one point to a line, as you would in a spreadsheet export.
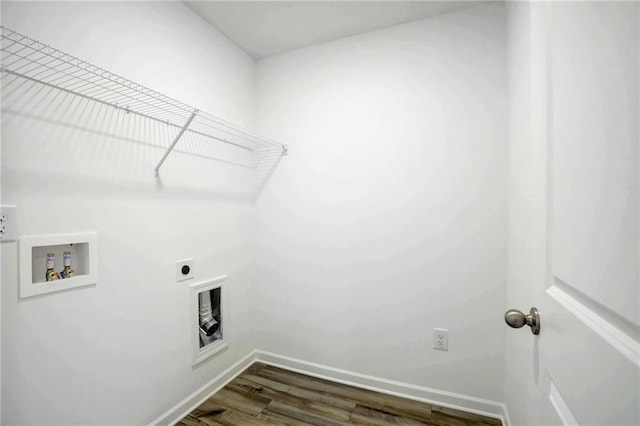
387	220
119	353
389	217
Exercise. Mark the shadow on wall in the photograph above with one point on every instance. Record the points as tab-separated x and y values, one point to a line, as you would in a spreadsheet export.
71	135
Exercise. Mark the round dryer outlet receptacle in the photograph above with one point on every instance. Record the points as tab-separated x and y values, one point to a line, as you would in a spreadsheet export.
184	269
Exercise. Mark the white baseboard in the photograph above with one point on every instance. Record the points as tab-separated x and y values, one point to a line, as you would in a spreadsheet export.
418	393
187	405
453	400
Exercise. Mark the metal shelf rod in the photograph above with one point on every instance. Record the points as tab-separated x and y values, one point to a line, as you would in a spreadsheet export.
156	171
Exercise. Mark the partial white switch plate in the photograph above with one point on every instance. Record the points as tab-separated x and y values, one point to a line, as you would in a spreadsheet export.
441	339
8	223
184	269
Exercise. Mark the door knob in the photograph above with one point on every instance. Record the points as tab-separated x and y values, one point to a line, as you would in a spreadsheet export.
516	319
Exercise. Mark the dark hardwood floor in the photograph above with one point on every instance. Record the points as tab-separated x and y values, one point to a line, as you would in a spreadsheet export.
266	395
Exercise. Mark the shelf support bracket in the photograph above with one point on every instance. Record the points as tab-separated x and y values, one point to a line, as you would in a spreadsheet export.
156	171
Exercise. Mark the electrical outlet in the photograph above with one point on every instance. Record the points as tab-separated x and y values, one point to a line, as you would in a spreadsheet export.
441	339
8	229
184	269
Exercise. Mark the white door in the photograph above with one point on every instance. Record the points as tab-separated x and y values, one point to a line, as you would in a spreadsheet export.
574	213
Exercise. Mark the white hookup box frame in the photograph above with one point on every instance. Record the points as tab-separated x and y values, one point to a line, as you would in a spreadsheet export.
32	254
205	347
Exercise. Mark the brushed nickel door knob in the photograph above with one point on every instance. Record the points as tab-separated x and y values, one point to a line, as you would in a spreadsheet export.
516	319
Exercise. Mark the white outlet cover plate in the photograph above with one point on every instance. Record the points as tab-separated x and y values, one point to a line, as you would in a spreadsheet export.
9	231
179	265
441	339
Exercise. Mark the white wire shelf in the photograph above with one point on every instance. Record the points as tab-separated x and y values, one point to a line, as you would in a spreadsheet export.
29	61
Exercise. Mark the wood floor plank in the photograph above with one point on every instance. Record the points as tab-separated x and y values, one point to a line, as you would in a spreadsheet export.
370	416
190	421
205	412
441	420
271	385
225	417
251	405
209	422
271	417
265	382
396	405
235	418
215	412
267	395
315	419
312	406
469	417
254	368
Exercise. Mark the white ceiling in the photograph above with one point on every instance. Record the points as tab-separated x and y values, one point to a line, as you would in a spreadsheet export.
266	28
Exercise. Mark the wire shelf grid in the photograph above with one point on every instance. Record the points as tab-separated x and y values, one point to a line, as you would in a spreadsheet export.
27	60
